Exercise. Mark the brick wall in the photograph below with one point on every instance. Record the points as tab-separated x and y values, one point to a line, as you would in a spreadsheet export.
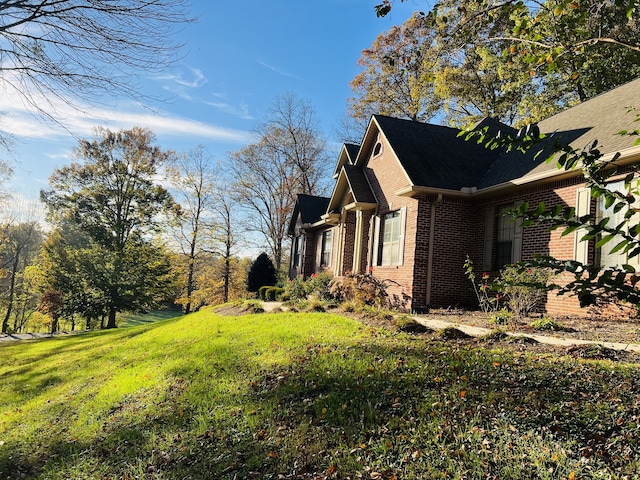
538	239
348	242
386	176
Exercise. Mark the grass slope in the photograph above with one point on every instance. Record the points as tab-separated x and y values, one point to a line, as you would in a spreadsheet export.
307	396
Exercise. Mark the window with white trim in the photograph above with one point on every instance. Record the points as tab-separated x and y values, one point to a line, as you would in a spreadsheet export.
326	251
604	257
391	238
388	238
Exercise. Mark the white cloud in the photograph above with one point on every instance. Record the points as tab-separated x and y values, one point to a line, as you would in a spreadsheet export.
17	120
197	81
240	111
277	70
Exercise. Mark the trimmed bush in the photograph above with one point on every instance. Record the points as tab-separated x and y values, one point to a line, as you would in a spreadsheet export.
271	294
262	292
262	272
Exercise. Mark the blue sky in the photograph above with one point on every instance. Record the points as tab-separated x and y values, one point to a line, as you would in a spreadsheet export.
237	58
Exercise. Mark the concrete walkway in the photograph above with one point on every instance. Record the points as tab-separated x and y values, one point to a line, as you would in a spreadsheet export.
567	342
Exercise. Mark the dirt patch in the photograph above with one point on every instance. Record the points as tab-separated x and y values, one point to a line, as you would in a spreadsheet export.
598	329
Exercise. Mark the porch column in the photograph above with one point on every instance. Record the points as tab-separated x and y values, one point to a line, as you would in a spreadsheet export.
357	247
340	243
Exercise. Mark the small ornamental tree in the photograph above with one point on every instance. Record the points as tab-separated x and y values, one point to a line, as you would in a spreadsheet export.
261	273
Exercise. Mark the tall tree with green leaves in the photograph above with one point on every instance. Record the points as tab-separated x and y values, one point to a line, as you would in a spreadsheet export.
521	62
111	195
397	74
18	250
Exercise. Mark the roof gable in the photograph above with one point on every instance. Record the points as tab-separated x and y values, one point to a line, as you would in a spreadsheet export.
347	156
435	155
309	208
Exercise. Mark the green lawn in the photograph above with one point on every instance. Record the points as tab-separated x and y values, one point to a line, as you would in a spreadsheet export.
307	396
135	319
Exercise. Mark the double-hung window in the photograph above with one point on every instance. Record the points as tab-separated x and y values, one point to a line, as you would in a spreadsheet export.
504	240
604	257
388	246
326	251
391	238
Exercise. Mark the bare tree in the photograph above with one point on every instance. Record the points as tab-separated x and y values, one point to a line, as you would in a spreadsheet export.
70	49
193	178
288	158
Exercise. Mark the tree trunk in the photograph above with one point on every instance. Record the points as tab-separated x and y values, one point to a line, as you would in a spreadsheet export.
187	306
227	268
14	269
111	323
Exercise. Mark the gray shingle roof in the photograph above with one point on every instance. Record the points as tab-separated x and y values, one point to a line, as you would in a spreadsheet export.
359	184
311	207
434	155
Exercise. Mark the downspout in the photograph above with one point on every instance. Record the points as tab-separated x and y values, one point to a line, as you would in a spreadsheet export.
432	235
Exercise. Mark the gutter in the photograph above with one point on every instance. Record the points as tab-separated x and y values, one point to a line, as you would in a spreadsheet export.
432	235
627	156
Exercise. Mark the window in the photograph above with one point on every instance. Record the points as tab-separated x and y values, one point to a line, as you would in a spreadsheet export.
327	249
502	237
388	238
504	241
604	257
297	247
377	149
391	239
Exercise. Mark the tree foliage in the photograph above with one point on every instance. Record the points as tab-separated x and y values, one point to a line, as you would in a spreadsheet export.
193	178
261	273
111	199
19	247
396	76
70	49
519	62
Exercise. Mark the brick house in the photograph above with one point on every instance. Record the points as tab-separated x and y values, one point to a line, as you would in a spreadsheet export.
414	199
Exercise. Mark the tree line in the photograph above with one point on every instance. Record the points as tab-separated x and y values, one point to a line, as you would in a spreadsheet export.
121	240
134	227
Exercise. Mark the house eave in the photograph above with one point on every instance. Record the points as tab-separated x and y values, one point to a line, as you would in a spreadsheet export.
627	156
360	206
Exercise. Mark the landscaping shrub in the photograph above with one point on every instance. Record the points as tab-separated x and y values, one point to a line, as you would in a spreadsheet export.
262	272
501	317
359	288
487	301
547	323
272	294
523	288
262	292
296	289
318	285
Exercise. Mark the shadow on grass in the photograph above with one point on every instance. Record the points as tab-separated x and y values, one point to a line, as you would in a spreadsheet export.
134	320
403	409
